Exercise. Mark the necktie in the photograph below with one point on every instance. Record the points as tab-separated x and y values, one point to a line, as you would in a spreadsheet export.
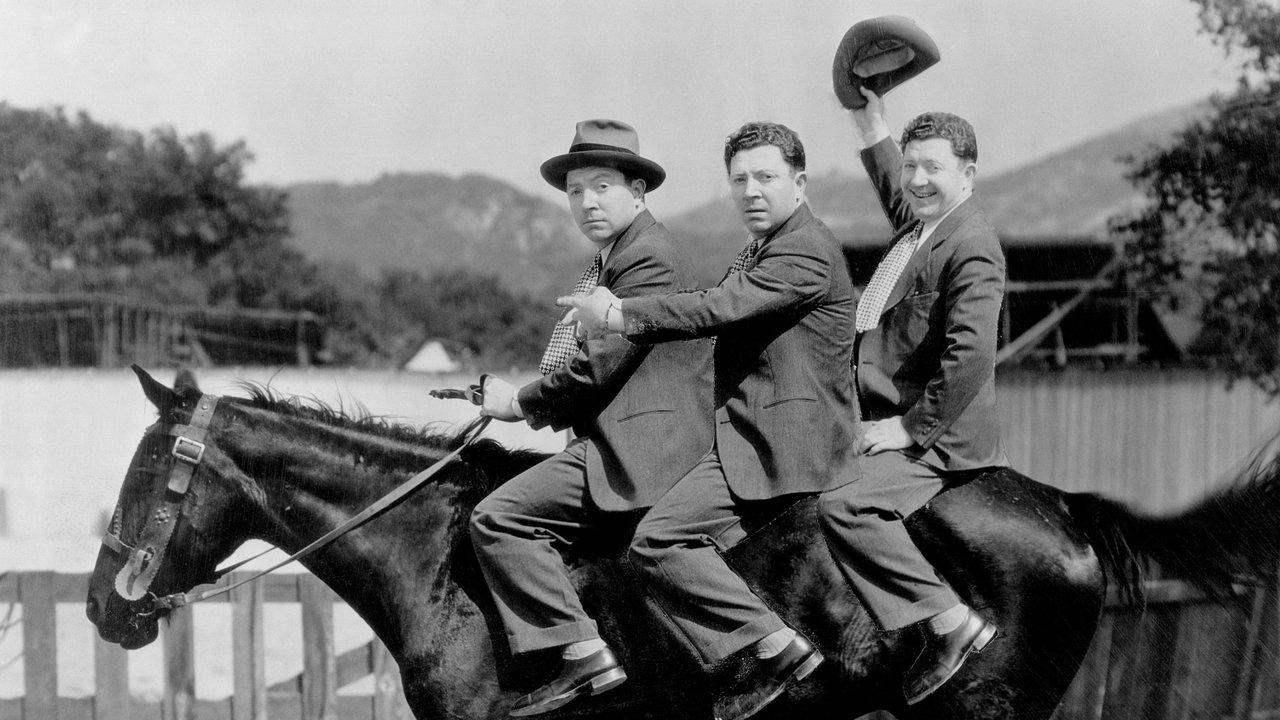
563	345
745	259
884	278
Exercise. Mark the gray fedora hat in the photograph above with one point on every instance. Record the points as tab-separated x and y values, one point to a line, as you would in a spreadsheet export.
604	143
880	54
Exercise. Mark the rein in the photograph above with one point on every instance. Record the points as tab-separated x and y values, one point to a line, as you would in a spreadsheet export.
135	577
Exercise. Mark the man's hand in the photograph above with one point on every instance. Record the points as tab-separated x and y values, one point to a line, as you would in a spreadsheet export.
870	118
591	312
499	399
881	435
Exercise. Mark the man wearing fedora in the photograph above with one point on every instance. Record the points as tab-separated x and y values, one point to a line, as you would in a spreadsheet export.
925	368
641	417
786	414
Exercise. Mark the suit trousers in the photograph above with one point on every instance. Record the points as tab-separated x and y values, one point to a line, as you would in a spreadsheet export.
676	551
519	532
864	526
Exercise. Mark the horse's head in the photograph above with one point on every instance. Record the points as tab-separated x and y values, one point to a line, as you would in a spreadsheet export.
178	485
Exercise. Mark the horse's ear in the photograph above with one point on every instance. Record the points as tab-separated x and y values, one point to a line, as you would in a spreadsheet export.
159	395
185	383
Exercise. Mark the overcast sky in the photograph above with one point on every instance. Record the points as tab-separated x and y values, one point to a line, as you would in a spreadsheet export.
346	91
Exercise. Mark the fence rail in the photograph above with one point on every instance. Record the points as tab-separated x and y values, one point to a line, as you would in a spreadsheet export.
312	695
1182	655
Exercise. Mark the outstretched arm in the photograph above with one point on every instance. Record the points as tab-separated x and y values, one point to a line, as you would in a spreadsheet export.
792	274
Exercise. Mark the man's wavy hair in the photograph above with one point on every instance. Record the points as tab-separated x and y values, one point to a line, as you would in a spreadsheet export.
757	134
952	128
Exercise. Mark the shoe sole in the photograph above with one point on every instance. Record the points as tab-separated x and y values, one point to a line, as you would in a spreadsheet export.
984	638
601	683
802	671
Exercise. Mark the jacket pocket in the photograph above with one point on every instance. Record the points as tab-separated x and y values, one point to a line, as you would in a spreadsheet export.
643	413
781	401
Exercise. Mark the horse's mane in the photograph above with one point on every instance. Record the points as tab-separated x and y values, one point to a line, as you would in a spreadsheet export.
439	434
497	462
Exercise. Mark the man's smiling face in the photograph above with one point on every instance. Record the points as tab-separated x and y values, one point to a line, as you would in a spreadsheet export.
933	179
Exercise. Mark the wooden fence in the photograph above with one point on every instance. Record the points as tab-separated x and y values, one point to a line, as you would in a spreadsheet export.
1181	656
312	695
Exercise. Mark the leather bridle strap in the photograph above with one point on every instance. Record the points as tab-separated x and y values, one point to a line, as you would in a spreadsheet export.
140	569
177	600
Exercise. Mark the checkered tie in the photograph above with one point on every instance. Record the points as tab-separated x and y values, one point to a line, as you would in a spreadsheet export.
885	277
563	345
745	259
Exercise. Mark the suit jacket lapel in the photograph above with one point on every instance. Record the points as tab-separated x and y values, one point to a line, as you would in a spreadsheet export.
920	258
642	222
798	218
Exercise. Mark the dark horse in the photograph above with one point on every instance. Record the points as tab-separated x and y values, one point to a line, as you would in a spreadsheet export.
1035	560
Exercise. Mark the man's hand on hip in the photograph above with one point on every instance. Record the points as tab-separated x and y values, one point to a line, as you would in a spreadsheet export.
881	435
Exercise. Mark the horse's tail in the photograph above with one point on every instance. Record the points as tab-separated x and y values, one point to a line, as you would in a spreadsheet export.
1231	533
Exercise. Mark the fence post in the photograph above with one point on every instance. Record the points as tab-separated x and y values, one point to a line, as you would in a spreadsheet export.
39	645
319	666
110	681
248	646
388	691
179	666
1248	691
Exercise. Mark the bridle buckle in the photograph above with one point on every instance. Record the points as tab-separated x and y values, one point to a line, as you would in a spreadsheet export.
188	450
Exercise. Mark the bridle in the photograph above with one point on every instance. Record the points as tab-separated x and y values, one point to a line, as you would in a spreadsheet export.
133	582
134	579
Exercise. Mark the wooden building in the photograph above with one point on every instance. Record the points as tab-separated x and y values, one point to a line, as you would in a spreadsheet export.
1069	301
101	330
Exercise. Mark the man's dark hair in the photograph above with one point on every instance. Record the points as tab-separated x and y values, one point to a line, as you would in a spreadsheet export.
952	128
757	134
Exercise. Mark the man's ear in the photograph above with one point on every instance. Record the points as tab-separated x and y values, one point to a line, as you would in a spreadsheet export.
638	187
802	181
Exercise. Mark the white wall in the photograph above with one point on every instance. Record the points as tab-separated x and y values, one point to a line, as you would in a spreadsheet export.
66	438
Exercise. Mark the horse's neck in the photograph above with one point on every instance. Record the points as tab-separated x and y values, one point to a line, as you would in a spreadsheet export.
386	568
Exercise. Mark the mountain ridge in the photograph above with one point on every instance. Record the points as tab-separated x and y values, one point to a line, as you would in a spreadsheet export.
430	222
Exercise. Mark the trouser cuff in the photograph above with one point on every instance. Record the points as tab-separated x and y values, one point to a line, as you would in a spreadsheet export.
557	636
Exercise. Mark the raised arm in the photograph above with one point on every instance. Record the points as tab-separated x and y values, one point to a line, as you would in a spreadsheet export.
882	159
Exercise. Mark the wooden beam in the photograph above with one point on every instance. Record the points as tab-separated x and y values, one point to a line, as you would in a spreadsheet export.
1037	332
39	645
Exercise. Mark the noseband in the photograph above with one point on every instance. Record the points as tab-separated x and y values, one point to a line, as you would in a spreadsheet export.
134	579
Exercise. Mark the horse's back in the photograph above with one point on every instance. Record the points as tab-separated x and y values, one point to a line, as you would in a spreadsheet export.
1009	546
1006	543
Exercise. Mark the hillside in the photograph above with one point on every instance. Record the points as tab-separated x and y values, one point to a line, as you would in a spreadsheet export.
427	222
430	222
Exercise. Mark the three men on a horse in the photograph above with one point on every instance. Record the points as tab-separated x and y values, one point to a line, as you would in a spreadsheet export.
876	405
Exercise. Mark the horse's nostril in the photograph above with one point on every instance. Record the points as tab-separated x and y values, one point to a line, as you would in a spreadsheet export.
91	609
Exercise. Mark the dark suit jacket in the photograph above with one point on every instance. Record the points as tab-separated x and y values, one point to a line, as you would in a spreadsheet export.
786	414
645	412
932	358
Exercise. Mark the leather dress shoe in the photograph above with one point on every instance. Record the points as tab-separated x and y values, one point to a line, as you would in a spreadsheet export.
944	655
768	680
592	675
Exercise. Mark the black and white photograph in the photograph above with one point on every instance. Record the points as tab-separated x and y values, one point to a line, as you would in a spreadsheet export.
705	360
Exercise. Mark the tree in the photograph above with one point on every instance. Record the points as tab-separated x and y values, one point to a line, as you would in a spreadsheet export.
1210	237
104	204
